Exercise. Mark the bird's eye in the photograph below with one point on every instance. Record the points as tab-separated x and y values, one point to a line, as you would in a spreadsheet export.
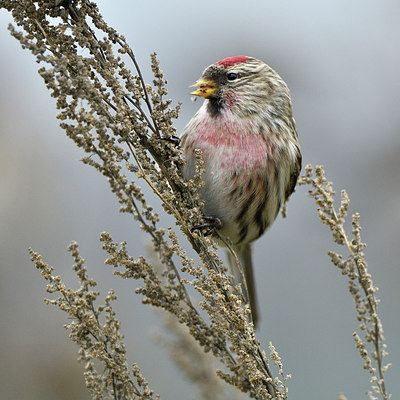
232	76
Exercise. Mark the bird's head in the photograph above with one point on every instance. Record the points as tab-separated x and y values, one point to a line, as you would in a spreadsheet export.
243	84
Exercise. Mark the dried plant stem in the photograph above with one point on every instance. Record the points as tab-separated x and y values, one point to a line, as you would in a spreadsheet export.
355	267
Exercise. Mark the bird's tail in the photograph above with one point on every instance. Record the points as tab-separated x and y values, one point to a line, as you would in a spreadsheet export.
248	286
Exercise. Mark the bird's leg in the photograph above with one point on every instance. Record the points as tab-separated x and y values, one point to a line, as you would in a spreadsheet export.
210	223
174	140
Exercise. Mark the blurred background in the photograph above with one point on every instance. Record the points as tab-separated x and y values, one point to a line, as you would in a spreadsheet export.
341	61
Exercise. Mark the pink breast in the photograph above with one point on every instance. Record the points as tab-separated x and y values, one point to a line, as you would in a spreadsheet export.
233	145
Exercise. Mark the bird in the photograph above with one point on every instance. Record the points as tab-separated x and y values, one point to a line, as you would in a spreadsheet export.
247	136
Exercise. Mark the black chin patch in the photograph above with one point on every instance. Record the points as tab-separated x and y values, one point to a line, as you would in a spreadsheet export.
215	105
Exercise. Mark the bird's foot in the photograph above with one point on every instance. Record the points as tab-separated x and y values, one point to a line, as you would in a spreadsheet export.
211	224
173	139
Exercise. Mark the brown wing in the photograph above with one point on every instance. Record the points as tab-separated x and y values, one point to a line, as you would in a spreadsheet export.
294	174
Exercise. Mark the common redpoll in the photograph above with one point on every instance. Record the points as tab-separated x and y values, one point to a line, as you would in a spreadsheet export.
247	135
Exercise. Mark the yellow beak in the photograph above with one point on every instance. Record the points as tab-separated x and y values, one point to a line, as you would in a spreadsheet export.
206	88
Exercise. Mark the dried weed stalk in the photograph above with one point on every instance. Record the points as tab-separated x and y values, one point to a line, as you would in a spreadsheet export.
125	127
96	331
355	268
196	365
